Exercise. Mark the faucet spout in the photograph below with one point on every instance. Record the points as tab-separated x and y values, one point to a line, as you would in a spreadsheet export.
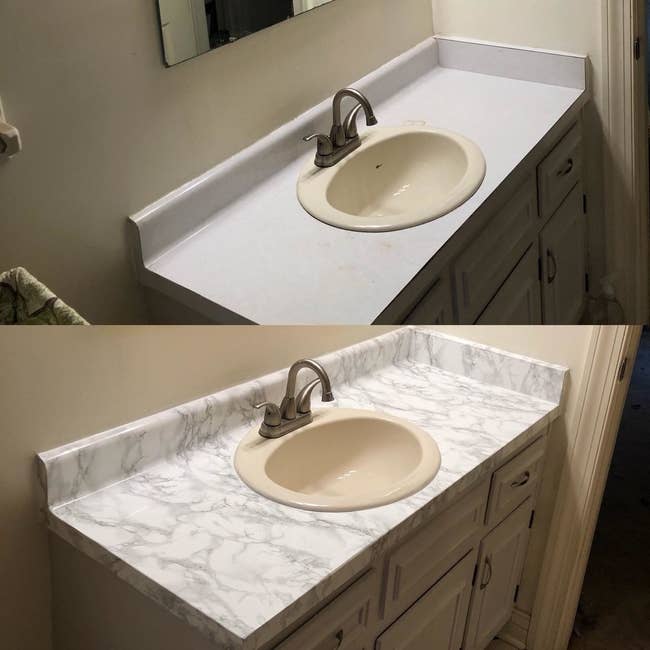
288	406
338	132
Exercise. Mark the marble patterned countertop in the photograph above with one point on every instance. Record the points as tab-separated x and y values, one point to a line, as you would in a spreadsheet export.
243	219
160	504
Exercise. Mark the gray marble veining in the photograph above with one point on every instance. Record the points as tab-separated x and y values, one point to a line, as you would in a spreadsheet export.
159	502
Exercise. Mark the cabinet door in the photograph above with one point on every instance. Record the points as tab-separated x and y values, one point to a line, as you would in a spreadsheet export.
436	307
564	264
519	301
500	563
437	620
490	257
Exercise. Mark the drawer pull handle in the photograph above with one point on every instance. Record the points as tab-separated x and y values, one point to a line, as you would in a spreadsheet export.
567	169
525	477
488	568
552	264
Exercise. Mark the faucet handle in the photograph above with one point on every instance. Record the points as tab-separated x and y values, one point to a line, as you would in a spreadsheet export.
272	416
325	146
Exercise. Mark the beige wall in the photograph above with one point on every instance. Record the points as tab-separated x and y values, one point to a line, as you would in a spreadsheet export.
107	129
61	384
570	25
567	346
574	26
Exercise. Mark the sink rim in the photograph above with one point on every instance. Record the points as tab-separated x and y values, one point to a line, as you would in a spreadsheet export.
313	184
253	452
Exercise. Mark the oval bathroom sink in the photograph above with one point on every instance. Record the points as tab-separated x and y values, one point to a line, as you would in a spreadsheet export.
344	460
400	177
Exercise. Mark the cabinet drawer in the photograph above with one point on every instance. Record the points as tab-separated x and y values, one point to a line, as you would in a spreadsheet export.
437	620
345	624
513	483
420	562
559	172
489	259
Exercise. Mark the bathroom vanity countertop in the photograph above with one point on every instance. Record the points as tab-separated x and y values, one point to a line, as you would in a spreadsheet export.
237	239
160	504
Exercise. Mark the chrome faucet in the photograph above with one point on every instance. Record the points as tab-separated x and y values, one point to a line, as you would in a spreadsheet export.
294	411
344	135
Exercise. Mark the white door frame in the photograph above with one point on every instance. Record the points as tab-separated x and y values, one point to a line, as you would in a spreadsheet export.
625	123
602	396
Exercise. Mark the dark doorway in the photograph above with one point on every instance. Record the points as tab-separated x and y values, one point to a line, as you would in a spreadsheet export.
615	604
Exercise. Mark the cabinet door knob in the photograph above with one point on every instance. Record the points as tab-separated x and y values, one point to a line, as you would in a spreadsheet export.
567	169
552	274
525	477
488	569
339	640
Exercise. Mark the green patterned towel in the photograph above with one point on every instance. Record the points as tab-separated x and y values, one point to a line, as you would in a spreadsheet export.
25	301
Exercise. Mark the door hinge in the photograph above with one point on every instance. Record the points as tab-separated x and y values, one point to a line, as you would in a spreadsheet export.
587	283
532	519
623	370
474	576
584	203
637	48
516	593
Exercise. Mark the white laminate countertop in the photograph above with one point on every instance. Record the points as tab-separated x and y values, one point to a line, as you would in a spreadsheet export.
160	504
237	238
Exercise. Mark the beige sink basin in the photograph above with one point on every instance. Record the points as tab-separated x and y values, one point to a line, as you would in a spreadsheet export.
400	177
344	460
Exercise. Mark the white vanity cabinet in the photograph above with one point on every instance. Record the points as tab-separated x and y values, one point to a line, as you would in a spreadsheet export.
452	584
525	265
